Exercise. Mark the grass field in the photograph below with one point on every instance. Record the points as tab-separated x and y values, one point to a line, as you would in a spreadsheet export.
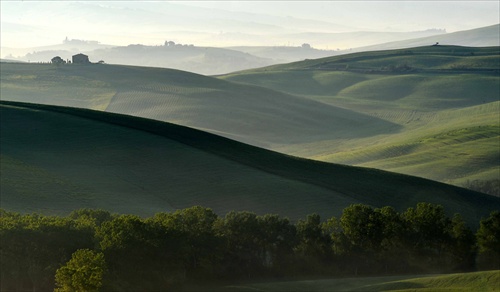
429	111
250	114
58	159
477	281
65	163
446	104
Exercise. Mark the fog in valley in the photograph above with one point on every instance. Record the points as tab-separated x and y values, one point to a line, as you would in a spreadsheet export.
216	37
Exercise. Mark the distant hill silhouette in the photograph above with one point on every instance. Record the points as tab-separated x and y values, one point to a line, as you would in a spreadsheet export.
215	60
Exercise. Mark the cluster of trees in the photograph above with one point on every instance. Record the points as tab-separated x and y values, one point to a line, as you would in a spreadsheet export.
173	44
59	61
79	42
90	250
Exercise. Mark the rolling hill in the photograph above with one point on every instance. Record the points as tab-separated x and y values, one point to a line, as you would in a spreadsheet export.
428	111
202	60
479	37
444	98
250	114
57	159
210	60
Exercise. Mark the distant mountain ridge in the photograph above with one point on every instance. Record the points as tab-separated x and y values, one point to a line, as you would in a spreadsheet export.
488	36
215	60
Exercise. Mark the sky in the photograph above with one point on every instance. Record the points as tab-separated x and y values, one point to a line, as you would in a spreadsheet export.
383	15
221	23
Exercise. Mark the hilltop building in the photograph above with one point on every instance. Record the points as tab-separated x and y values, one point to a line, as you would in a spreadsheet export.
80	59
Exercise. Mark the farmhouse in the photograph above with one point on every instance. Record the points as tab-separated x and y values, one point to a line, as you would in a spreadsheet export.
80	59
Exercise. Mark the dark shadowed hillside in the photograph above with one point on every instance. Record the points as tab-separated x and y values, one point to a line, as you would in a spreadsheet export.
58	159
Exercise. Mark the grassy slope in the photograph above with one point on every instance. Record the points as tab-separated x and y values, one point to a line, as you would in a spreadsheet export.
407	122
477	281
479	37
447	108
54	163
75	158
247	113
427	55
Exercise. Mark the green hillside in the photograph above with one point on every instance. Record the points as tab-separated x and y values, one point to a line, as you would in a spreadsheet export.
427	57
250	114
429	111
57	159
478	37
444	98
55	163
477	281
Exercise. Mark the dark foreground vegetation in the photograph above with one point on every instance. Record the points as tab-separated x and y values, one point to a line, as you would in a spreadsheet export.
92	250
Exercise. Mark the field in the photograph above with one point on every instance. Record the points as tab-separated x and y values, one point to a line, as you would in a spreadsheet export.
378	128
428	111
246	113
57	159
477	281
431	112
65	163
444	99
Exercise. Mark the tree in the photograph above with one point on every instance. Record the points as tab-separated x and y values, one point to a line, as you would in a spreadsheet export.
392	227
242	237
193	229
312	240
90	217
488	241
363	233
33	246
138	254
393	256
313	249
277	241
363	228
83	272
58	60
428	236
462	249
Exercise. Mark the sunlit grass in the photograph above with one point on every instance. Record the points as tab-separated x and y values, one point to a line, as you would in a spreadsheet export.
395	121
443	114
477	281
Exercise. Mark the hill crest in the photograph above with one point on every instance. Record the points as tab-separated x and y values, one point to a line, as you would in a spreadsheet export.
223	174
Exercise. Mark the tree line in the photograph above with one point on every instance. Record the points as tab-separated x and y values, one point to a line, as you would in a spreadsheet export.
92	250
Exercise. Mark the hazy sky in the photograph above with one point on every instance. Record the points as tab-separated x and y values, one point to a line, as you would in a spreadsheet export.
395	15
36	23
